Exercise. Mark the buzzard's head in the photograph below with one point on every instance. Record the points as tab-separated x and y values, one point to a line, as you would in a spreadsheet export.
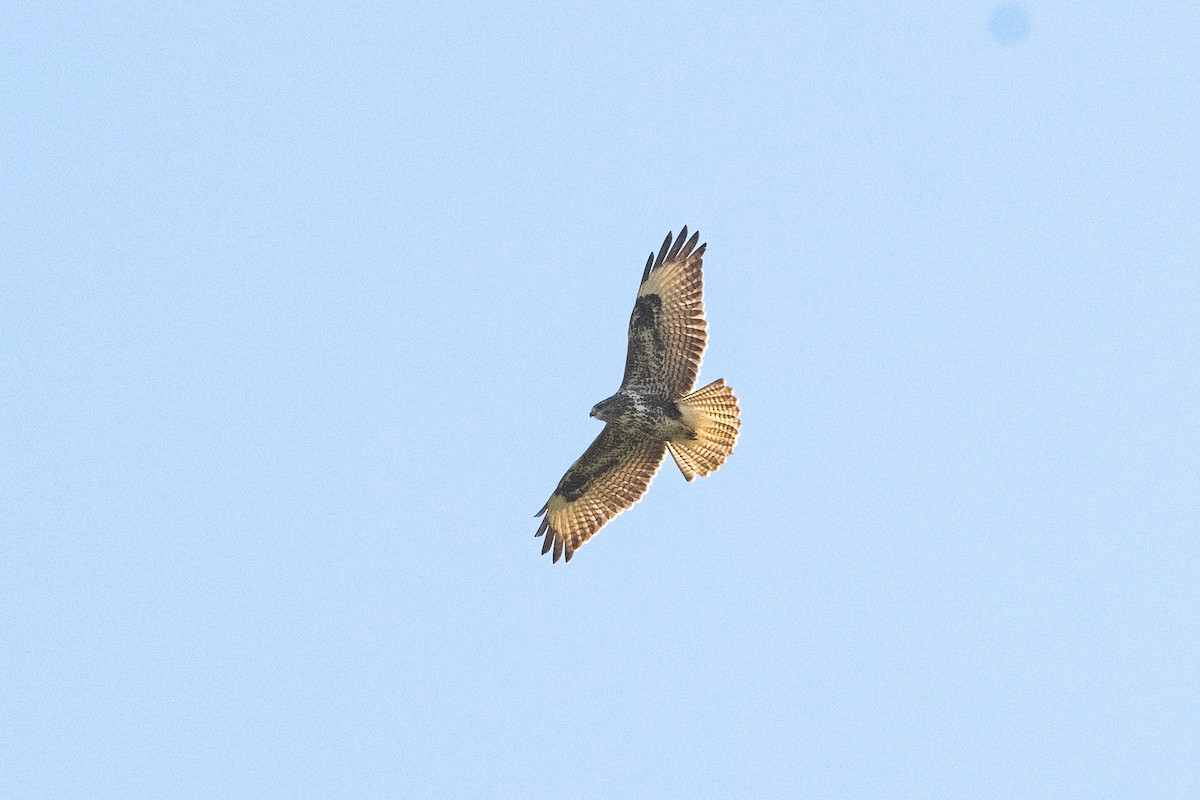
605	409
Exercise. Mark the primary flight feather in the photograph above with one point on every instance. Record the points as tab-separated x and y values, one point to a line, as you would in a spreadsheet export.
655	411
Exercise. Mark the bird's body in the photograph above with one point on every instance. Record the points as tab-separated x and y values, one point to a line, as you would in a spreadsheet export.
655	410
643	414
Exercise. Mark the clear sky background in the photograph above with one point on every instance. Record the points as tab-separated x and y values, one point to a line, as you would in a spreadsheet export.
303	308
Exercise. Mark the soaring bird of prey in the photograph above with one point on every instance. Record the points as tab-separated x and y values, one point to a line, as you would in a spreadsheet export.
654	411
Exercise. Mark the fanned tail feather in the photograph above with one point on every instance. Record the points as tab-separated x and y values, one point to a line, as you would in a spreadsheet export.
712	413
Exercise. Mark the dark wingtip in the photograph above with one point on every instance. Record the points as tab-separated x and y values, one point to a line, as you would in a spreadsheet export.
662	251
673	247
678	247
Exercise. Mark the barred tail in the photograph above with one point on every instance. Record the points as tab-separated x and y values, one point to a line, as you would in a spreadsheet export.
712	414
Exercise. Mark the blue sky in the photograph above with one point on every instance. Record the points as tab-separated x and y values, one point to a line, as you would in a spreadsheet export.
303	308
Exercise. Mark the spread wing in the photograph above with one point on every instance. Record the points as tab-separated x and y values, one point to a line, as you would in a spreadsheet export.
610	476
667	331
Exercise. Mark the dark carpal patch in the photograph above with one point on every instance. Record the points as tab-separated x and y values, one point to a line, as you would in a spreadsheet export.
645	332
645	318
574	484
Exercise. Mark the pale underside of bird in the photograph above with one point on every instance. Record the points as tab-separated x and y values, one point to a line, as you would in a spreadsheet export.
655	411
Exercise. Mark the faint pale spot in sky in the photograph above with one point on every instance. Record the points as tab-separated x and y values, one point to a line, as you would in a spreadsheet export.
1010	23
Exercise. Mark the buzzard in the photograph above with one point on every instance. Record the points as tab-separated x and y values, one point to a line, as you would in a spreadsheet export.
654	411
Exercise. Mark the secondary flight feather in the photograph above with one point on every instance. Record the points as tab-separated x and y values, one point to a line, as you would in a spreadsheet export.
655	411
